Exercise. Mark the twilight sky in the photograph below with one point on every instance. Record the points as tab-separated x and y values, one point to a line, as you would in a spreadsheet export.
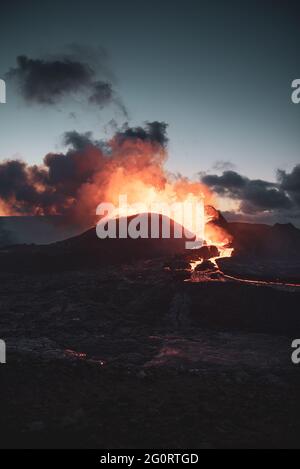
218	72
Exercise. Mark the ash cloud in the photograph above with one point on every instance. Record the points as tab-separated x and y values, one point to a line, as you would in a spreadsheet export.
154	132
47	81
19	188
76	181
258	198
291	183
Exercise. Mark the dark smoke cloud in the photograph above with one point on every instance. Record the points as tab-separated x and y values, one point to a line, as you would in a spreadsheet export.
291	183
19	185
255	195
79	141
46	81
56	186
230	183
154	132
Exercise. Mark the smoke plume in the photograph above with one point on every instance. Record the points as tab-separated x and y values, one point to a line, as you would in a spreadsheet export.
92	171
47	81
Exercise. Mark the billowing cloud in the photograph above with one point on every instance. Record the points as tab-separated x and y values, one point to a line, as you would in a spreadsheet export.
47	81
257	196
229	184
86	174
20	189
155	132
291	183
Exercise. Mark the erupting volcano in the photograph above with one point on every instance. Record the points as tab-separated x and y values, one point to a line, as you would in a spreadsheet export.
92	172
132	163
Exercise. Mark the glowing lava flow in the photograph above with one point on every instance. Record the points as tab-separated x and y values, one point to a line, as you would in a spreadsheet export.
264	283
224	252
206	275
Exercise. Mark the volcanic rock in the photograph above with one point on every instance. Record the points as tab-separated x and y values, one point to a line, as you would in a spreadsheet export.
179	264
206	266
264	241
88	251
208	252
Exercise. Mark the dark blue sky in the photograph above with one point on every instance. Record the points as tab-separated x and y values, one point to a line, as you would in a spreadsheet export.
218	72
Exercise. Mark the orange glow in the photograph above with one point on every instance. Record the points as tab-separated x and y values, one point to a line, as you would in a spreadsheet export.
132	167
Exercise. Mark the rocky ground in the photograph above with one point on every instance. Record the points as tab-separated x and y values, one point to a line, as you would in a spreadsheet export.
137	357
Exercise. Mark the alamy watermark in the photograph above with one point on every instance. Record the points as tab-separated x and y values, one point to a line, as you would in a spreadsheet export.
189	218
296	354
2	352
2	92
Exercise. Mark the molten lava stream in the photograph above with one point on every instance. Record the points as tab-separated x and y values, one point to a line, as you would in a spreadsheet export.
215	274
208	270
262	282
